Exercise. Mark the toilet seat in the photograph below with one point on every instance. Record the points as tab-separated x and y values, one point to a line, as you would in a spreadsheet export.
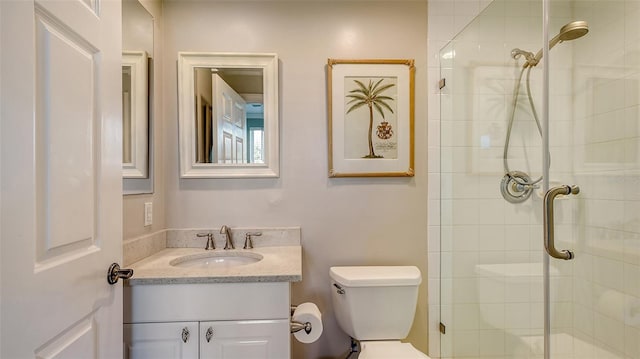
389	349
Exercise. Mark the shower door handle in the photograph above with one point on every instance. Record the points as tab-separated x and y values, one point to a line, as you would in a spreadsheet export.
549	240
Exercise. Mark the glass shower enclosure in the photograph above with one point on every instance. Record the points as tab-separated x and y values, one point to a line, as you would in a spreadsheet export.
540	140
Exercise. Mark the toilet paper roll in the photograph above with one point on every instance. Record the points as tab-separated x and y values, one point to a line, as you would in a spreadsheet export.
308	313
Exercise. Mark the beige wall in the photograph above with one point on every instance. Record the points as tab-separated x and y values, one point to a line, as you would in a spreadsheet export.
357	221
133	205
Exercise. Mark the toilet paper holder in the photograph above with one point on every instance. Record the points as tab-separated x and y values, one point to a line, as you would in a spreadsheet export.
297	326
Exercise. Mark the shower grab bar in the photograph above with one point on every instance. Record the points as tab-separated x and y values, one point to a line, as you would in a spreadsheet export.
549	240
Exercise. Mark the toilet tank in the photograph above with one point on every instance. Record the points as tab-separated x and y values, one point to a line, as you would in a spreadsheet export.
375	302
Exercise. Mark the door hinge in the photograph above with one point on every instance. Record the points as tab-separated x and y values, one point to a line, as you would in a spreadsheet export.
443	328
442	83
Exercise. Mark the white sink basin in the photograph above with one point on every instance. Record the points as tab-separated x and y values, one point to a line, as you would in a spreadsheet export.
222	259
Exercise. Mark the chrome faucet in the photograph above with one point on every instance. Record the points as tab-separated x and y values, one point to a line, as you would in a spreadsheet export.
209	236
226	230
248	243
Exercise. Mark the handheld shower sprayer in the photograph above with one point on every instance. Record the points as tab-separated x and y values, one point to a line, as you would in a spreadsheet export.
570	31
517	186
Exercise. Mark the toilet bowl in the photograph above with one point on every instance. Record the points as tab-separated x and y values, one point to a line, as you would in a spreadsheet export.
375	305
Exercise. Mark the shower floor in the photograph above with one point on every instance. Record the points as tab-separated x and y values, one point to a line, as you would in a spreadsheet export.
566	346
563	346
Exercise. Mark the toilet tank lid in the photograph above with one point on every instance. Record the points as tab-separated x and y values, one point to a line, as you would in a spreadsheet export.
376	276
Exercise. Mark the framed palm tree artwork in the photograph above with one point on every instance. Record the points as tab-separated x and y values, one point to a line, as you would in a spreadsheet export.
371	118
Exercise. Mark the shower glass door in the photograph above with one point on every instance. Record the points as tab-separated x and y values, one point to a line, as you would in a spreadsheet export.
594	140
493	258
491	248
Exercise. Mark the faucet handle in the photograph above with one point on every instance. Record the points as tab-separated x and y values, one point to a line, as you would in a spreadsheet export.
248	243
210	245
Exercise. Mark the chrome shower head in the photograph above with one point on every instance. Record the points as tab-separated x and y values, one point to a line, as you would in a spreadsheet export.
568	32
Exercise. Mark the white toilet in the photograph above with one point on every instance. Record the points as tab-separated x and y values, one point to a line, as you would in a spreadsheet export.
375	306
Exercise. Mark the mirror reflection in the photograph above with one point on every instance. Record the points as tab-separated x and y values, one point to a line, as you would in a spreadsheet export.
229	115
137	49
126	114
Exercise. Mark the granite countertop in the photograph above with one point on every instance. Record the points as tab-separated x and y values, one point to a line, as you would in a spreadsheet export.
279	264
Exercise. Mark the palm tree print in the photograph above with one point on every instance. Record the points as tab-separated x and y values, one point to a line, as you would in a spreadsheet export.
370	96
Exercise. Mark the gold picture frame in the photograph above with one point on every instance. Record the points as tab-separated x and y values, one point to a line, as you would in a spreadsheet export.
373	98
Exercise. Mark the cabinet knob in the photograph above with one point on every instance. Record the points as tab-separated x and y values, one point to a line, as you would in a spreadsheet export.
209	334
185	334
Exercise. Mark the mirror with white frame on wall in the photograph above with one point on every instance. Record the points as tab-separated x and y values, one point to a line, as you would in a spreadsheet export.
137	45
228	115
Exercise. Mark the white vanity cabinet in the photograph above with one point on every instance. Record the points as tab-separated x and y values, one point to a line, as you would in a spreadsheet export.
244	339
161	340
224	320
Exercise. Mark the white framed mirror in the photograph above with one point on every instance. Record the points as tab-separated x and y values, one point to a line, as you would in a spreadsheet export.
228	115
135	117
137	98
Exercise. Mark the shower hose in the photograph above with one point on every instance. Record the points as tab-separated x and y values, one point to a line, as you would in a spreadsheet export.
516	185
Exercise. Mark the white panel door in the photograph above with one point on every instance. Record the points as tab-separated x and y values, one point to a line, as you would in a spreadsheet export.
177	340
231	120
61	209
248	339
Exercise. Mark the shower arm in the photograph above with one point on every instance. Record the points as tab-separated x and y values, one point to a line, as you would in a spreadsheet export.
536	59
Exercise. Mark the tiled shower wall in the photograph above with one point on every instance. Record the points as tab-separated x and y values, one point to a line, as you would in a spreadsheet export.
594	143
606	164
445	19
488	313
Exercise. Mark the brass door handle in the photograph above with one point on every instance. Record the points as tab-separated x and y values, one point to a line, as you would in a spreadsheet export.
549	236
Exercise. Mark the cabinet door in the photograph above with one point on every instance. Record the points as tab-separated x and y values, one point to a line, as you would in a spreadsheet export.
161	340
249	339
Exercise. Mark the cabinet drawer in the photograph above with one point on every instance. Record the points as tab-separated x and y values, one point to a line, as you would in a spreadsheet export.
196	302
